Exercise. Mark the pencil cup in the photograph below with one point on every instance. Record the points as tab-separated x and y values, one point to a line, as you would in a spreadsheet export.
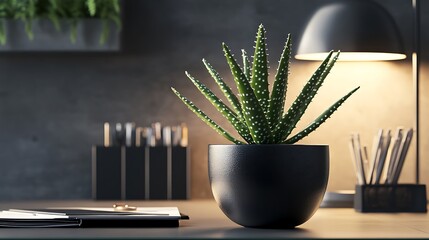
138	173
106	173
158	172
391	198
180	169
134	186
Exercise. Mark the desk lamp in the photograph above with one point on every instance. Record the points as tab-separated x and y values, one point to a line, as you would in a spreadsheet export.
363	31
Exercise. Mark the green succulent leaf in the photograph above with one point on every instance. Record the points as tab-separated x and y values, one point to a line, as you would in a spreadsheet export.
223	109
206	119
278	94
259	80
246	65
319	120
226	90
299	106
252	110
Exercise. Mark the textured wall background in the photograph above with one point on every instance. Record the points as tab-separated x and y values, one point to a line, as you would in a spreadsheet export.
52	105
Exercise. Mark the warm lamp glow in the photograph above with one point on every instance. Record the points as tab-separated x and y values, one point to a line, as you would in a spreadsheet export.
353	56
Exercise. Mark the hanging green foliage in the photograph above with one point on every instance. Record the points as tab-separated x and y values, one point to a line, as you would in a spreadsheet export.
54	10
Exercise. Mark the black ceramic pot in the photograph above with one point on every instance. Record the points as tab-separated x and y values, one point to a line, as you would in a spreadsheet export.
268	186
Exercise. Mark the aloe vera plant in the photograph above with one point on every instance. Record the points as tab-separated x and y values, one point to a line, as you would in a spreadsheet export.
258	116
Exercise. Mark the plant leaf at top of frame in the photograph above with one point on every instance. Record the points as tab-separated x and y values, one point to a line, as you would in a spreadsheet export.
252	110
278	94
259	81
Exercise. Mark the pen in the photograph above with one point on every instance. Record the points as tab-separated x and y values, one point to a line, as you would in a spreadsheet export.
358	160
184	135
176	135
157	133
129	132
394	155
119	135
365	160
360	157
106	134
404	150
354	159
383	155
139	132
166	136
376	149
150	138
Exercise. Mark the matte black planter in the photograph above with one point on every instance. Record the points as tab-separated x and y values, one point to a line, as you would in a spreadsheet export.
268	186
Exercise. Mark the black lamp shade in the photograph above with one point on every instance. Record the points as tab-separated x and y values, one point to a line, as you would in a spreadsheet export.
360	29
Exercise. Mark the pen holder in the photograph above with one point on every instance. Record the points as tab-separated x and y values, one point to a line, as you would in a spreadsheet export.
138	173
390	198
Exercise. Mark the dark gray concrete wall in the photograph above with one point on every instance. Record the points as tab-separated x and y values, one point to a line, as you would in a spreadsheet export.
53	105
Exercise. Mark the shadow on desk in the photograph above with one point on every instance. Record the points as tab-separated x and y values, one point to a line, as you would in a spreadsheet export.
239	232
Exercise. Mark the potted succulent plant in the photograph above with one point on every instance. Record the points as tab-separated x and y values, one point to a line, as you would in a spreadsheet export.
265	180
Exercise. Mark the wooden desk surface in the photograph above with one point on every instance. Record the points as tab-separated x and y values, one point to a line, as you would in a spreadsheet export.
207	221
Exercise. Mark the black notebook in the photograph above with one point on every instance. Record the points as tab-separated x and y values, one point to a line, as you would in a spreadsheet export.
91	217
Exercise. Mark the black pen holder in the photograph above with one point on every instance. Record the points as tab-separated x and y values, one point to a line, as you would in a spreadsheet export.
138	173
391	198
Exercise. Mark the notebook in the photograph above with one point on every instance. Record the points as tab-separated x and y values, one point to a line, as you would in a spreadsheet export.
91	217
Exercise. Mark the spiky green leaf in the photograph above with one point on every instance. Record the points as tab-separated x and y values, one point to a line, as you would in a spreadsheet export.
252	110
205	118
226	90
299	106
319	120
259	81
278	94
246	65
223	109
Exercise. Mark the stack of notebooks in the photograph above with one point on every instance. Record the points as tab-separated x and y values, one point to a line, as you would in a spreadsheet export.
91	217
